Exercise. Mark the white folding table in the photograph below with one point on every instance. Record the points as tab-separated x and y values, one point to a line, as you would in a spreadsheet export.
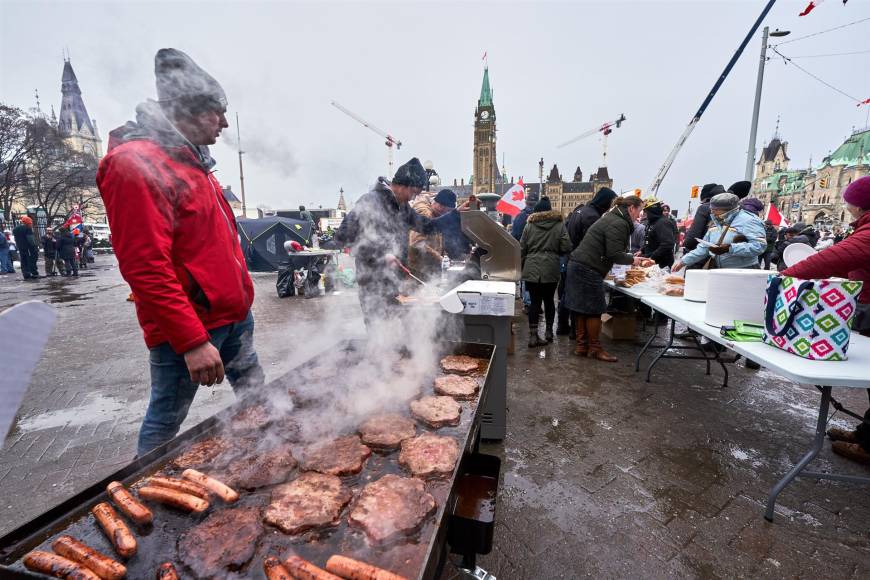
824	375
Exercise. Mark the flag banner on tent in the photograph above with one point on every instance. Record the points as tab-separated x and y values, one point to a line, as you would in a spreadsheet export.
513	201
775	217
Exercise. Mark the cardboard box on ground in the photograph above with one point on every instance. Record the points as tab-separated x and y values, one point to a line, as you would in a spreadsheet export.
619	326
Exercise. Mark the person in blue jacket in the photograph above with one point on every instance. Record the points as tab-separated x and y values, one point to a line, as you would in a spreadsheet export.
743	242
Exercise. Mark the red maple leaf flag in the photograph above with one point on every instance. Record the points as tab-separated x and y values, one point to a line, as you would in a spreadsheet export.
513	201
864	102
812	5
775	217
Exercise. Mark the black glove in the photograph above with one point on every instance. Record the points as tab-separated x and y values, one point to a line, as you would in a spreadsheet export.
719	250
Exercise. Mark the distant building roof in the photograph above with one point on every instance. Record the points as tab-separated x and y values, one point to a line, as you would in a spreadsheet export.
229	195
601	175
485	91
554	176
854	151
73	114
770	151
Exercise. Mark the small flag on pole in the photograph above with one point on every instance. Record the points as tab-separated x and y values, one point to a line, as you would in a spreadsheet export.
810	7
864	102
775	217
513	201
484	56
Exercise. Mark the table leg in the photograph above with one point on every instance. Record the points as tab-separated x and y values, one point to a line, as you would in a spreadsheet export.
813	452
666	348
701	349
648	342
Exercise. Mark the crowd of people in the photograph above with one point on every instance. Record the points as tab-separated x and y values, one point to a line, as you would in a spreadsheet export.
63	252
570	258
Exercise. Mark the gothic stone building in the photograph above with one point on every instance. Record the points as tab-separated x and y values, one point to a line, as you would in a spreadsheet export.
815	195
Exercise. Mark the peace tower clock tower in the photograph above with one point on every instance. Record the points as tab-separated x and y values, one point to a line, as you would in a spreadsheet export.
485	160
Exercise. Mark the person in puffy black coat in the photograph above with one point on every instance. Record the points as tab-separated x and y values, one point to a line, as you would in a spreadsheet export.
28	250
66	249
660	237
582	218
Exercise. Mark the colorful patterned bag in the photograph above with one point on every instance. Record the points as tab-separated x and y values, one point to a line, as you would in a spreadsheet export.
810	318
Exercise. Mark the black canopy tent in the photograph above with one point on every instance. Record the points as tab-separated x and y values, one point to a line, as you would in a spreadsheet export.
263	240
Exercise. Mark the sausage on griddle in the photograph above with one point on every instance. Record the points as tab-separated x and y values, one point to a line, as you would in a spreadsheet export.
115	529
182	485
102	565
129	505
218	488
57	566
305	570
356	570
167	571
275	570
176	499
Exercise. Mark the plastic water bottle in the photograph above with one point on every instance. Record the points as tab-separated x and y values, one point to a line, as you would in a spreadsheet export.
445	264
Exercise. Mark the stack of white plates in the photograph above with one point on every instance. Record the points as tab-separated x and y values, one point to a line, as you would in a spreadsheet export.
696	285
734	294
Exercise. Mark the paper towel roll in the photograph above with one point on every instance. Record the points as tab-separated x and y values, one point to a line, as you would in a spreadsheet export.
734	294
696	285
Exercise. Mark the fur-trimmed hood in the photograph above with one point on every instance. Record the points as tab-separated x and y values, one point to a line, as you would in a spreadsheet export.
543	216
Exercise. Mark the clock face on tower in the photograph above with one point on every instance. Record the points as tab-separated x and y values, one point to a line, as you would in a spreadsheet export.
484	115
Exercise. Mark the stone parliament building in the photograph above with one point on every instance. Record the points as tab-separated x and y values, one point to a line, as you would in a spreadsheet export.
813	195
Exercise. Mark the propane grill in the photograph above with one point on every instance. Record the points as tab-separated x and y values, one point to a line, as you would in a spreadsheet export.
422	555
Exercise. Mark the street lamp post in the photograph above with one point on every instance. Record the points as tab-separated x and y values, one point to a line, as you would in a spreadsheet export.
753	130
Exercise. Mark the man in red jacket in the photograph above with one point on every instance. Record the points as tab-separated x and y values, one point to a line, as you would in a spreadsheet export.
177	247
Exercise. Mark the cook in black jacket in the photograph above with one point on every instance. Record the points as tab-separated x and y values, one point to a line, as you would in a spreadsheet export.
660	239
377	230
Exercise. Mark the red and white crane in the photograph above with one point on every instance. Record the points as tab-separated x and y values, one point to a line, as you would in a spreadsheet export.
605	130
390	140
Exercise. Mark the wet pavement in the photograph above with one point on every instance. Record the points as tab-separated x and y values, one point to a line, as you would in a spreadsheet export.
603	474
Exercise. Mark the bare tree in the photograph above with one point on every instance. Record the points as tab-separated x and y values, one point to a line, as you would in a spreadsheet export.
56	176
14	149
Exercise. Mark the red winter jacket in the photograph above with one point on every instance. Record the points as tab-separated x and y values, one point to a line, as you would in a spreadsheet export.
176	242
848	259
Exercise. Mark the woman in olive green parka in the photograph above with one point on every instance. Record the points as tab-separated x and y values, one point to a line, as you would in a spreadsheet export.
544	239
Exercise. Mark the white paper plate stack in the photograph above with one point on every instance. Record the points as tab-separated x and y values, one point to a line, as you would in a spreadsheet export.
696	285
734	294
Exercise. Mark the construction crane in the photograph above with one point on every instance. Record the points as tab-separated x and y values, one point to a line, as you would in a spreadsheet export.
390	140
605	130
669	160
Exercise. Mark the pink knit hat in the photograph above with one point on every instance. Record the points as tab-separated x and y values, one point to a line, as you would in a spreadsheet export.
858	193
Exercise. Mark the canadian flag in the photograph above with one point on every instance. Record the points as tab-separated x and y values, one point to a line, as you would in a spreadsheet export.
810	7
775	217
513	201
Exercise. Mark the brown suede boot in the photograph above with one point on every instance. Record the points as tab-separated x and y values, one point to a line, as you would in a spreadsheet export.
837	434
582	348
596	351
851	451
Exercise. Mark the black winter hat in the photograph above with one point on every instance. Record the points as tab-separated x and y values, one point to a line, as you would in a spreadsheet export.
411	174
178	77
709	190
740	188
543	205
604	198
446	197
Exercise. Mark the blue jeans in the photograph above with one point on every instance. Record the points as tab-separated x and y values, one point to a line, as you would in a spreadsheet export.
6	261
172	391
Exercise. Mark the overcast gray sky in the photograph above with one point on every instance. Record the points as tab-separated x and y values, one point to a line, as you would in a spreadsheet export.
415	69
